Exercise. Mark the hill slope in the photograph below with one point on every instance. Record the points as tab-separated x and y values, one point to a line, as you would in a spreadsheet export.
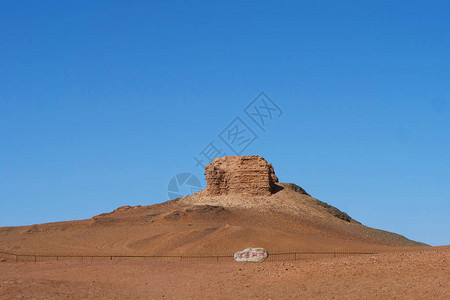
289	219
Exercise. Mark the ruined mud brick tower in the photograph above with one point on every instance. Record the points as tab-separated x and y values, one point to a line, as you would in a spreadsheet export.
247	175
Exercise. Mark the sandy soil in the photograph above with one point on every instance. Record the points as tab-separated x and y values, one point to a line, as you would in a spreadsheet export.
408	275
197	225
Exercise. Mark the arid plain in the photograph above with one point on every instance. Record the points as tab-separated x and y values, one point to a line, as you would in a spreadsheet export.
243	206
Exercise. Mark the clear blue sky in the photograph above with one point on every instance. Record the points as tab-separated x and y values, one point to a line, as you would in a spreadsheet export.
103	102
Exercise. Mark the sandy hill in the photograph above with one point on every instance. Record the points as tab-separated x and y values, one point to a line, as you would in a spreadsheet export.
243	206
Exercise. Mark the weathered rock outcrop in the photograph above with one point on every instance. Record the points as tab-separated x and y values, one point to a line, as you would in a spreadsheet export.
248	175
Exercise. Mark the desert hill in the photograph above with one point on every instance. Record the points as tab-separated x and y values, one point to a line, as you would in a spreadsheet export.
243	206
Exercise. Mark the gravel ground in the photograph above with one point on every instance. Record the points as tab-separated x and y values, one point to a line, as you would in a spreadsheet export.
408	275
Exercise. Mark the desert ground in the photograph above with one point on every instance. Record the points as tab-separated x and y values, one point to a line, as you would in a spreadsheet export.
243	206
403	275
201	225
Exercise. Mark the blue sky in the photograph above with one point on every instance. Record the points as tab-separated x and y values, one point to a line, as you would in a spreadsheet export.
103	102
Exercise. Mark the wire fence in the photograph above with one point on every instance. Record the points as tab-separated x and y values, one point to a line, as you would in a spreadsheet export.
276	256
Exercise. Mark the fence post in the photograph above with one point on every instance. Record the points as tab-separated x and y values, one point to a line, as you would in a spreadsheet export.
35	258
111	258
217	258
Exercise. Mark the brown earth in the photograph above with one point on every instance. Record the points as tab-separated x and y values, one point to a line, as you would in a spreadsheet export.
243	206
198	224
406	275
277	216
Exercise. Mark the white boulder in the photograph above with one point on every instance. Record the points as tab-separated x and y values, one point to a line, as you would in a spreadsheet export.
251	255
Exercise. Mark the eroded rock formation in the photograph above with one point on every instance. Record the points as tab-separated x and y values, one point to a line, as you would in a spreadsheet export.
248	175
